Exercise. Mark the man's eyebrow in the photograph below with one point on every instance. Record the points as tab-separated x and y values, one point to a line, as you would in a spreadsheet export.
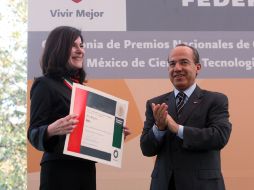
183	59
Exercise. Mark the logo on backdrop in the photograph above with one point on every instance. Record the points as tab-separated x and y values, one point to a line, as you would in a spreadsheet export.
77	1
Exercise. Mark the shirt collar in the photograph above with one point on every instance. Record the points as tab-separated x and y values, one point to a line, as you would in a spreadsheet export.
188	91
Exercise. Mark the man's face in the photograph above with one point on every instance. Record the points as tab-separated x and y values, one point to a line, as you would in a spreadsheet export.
182	68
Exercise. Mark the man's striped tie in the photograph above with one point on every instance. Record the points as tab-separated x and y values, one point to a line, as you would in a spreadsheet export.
181	97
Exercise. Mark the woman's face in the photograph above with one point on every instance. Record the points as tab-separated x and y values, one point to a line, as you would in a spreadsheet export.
77	54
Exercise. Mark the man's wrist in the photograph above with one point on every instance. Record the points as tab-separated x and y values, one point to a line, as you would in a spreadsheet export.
160	128
180	131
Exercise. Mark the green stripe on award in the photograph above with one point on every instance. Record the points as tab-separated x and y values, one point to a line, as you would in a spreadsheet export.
118	132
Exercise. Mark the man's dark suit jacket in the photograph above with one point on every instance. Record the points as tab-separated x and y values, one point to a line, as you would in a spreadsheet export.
194	160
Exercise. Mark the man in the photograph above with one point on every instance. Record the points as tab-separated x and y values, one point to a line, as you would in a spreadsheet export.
187	132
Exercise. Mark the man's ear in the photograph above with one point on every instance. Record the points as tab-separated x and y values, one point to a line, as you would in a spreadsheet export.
198	66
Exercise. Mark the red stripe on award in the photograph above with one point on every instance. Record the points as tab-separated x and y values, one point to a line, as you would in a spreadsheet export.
80	109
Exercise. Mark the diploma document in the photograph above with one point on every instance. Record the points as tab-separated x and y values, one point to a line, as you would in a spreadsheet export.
99	134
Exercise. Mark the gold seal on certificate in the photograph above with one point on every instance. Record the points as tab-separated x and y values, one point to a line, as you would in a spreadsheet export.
99	133
120	110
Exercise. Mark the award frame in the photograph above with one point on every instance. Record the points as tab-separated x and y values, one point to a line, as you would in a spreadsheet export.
98	135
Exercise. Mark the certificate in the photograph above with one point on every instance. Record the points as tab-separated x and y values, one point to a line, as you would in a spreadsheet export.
99	133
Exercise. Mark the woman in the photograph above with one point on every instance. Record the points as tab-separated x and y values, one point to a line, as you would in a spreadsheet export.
62	64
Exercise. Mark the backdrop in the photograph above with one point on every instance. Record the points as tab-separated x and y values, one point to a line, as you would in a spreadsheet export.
127	44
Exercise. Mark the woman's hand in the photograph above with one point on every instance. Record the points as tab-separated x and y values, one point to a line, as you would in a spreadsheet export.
126	132
63	126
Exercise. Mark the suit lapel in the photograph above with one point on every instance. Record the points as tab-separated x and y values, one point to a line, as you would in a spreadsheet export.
170	100
190	106
63	89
